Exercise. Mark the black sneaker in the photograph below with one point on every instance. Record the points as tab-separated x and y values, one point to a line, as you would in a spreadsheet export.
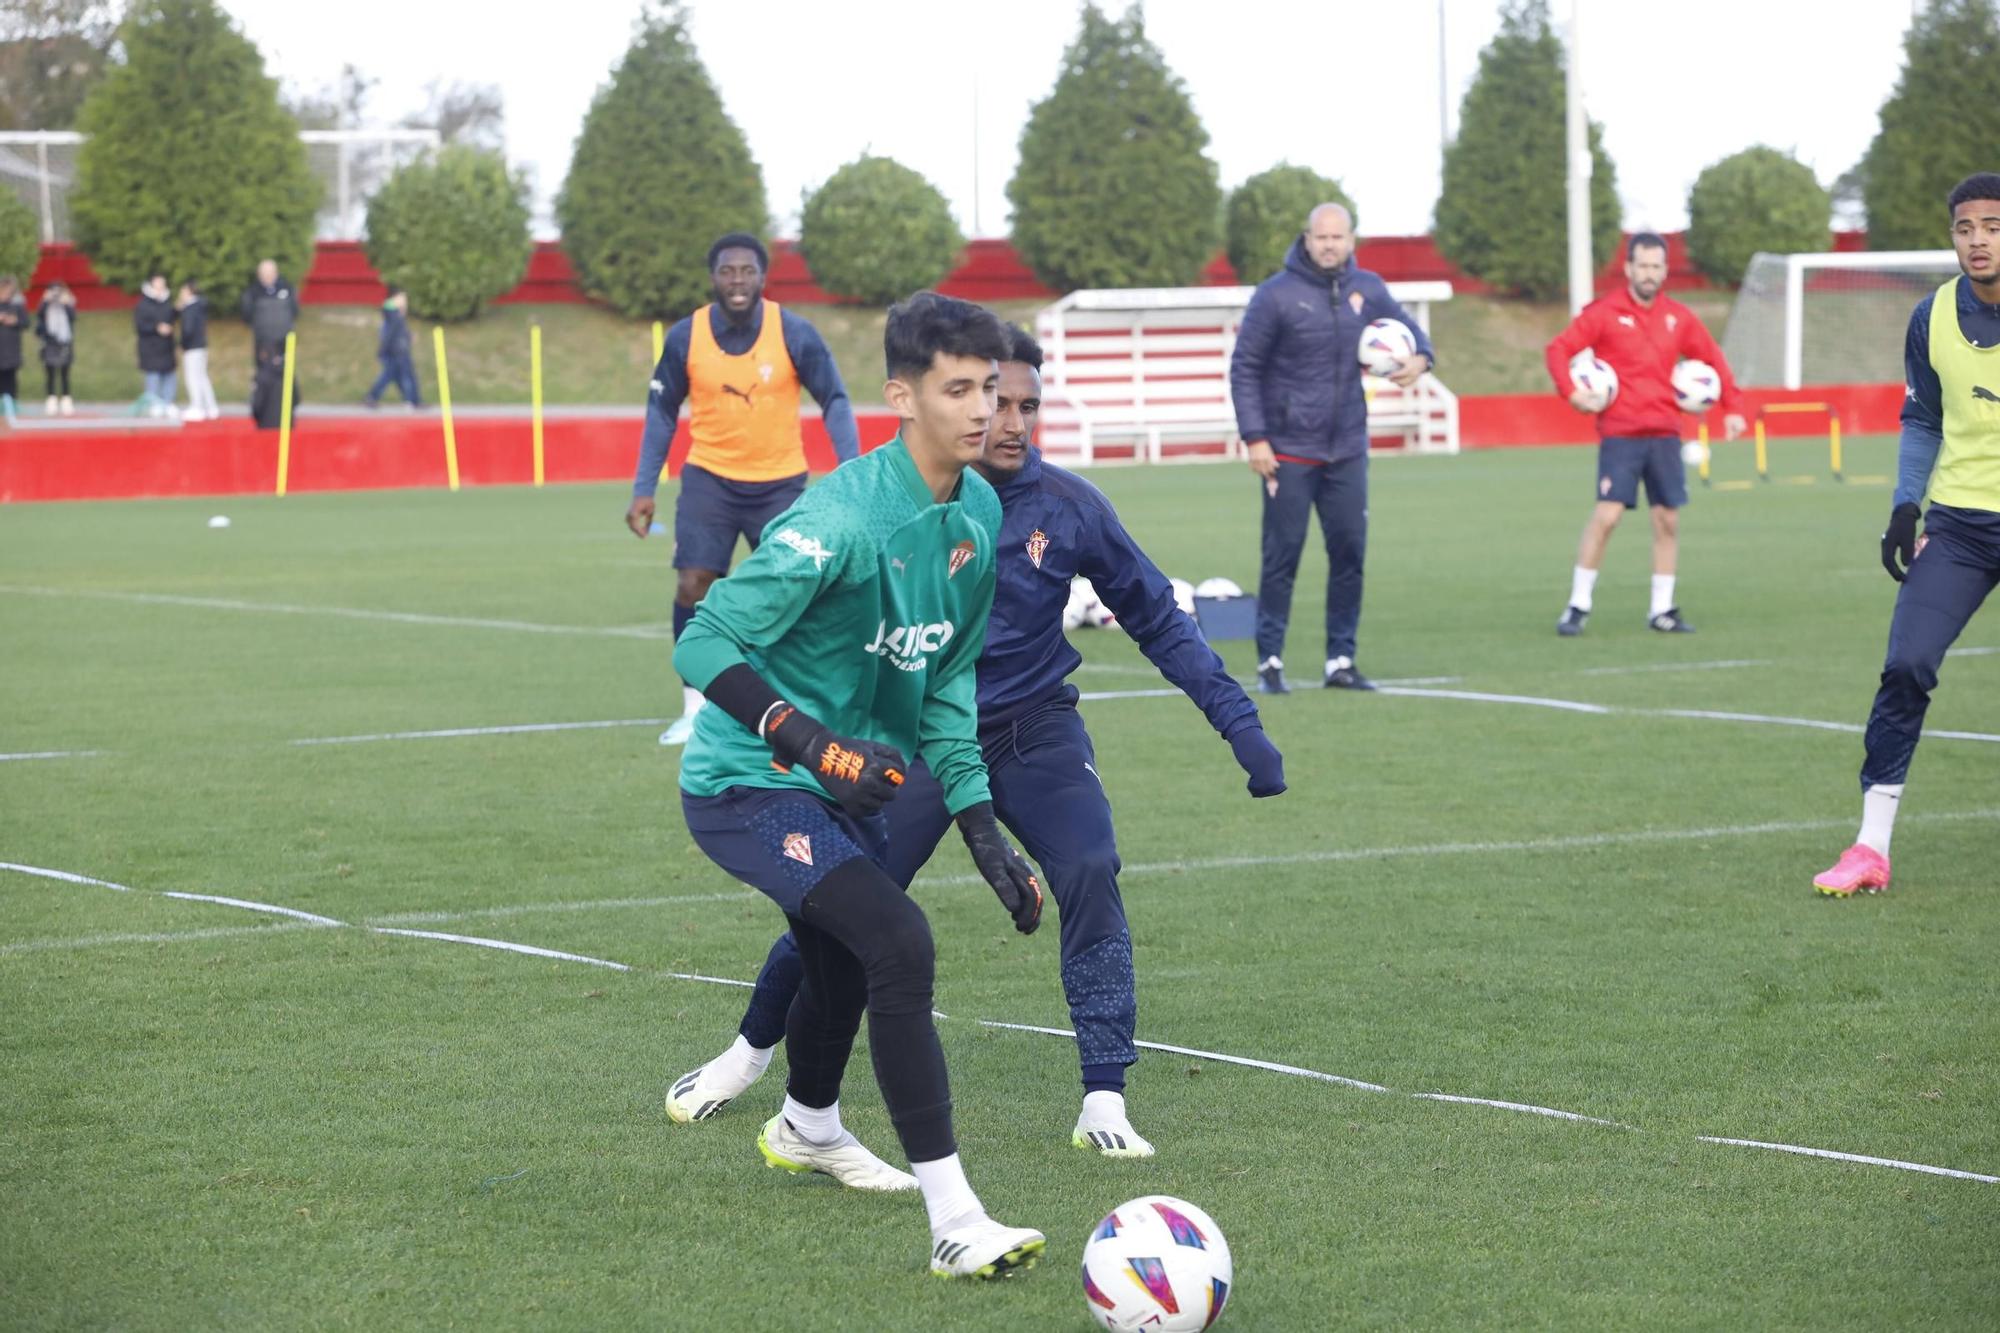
1571	623
1669	622
1347	678
1271	677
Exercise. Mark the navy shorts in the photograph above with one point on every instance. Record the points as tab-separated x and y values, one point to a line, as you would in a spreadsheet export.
781	841
1623	461
711	512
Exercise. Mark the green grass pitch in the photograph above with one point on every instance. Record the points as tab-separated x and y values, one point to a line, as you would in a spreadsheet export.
211	1118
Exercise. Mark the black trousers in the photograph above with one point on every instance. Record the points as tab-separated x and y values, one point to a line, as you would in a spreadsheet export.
1339	493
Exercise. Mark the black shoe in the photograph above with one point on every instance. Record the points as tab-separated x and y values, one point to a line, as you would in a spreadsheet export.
1271	677
1347	678
1669	622
1571	623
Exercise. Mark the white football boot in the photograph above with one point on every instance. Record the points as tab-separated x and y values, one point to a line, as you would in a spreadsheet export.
985	1249
844	1159
700	1093
1104	1128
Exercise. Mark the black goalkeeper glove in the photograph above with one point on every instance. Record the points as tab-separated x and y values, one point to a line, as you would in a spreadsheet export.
1002	867
861	775
1900	540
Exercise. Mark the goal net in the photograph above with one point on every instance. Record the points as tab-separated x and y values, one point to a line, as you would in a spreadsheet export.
1829	318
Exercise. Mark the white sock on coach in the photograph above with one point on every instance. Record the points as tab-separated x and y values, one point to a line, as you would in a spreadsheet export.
1582	584
1663	595
691	700
1878	814
819	1125
948	1196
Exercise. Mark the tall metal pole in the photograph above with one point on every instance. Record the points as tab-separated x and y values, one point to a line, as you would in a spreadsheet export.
48	204
1580	287
1444	85
975	154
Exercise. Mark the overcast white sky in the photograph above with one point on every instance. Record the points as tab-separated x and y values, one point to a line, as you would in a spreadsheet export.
1349	89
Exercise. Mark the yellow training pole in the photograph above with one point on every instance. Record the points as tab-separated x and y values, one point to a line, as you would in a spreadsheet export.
1763	460
1701	438
659	341
535	391
444	401
285	413
1833	440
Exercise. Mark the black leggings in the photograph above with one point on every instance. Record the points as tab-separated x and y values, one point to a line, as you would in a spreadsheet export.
53	373
10	382
866	946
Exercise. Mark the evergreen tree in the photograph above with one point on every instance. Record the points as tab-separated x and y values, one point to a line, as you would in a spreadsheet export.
192	166
1758	199
1115	187
1937	126
877	231
658	173
452	230
1267	212
1503	212
20	238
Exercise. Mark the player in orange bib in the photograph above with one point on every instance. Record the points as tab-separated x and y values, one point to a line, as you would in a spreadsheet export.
738	363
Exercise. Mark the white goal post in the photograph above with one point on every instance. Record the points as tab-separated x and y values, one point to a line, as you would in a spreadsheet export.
1828	318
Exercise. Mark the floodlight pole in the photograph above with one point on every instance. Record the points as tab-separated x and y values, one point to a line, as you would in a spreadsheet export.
1580	285
1444	98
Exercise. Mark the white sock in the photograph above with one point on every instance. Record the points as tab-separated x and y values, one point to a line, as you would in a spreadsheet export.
1663	595
1271	664
1582	583
1101	1108
1334	664
818	1125
948	1196
744	1057
1878	814
691	701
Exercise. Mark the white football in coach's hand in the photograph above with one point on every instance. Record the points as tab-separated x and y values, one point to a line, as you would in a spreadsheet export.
1385	345
1697	387
1594	377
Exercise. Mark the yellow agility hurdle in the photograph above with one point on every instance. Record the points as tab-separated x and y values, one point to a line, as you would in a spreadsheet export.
1832	434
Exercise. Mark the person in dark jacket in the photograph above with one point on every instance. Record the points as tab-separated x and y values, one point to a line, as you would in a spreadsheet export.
271	309
153	320
1303	414
55	325
193	309
13	322
392	349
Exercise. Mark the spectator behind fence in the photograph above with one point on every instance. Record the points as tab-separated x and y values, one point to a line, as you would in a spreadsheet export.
193	307
393	351
153	320
55	325
13	319
271	309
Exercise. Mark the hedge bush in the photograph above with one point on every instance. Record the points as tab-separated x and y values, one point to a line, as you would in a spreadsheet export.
452	230
877	231
1932	134
1267	212
1758	199
20	238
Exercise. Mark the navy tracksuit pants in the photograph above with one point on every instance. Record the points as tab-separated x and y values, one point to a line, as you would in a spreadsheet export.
1339	493
1951	576
1043	772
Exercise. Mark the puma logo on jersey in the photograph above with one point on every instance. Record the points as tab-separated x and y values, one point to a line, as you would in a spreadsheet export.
806	546
1984	394
744	394
907	646
1628	321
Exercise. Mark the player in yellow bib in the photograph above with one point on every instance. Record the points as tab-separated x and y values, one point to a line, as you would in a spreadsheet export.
1950	449
738	363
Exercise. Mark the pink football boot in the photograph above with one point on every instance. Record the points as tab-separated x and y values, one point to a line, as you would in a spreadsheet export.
1860	869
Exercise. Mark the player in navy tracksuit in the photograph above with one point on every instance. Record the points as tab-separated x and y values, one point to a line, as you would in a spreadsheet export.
1040	761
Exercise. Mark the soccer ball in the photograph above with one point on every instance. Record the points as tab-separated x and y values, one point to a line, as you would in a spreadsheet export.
1694	453
1217	587
1386	345
1157	1263
1084	611
1594	377
1183	595
1696	386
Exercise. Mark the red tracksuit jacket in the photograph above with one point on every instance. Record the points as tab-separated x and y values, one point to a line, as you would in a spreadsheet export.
1641	343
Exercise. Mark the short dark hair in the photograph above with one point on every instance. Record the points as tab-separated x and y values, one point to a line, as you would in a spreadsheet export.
1644	240
927	324
1022	347
739	240
1979	185
394	292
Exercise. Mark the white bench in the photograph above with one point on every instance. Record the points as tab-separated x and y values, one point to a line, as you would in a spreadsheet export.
1142	375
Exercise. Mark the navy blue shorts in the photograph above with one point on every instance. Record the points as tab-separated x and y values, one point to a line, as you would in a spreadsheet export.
780	841
1623	461
711	512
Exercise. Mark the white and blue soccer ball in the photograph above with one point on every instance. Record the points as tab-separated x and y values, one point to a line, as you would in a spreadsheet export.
1595	378
1157	1263
1697	386
1084	610
1385	345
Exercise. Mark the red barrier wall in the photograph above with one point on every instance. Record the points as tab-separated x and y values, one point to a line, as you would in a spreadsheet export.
989	270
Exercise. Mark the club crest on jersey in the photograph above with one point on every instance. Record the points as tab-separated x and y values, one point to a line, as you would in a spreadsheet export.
908	646
1672	320
1355	302
1038	545
765	371
806	546
961	554
799	847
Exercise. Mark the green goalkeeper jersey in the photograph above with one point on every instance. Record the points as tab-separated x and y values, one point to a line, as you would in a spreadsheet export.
865	606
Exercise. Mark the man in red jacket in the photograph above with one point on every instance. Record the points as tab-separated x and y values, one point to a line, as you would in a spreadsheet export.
1640	334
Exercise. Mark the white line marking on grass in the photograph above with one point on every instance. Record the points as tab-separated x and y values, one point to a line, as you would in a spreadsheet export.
146	937
1477	696
273	909
502	945
1853	1157
1244	1060
1726	664
50	754
1689	714
1518	1106
536	909
341	612
65	876
1972	652
515	730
